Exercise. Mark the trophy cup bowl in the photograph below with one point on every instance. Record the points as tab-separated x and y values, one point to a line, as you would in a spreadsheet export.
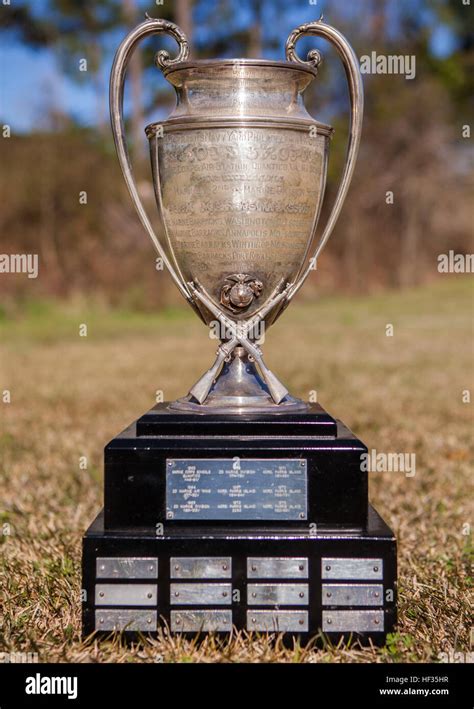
239	173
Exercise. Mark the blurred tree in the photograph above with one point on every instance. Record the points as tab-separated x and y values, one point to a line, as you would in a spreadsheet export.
255	40
135	76
411	147
77	31
456	68
34	30
83	27
184	18
241	28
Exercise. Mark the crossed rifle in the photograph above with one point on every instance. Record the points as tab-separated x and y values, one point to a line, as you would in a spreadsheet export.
239	332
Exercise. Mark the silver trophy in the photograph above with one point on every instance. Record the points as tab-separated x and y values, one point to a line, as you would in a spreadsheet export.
239	172
275	507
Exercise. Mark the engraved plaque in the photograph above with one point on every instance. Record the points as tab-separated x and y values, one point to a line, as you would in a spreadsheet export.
277	594
277	567
278	621
201	621
200	567
119	619
239	489
349	569
353	621
345	594
201	594
126	594
127	567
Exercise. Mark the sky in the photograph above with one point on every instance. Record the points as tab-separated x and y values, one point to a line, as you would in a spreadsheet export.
32	82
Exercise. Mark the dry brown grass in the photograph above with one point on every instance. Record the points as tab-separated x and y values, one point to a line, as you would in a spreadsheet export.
70	395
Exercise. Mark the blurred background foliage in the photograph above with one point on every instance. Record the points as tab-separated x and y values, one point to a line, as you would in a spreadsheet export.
412	144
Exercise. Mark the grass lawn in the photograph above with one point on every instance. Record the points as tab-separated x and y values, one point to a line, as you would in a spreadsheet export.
403	393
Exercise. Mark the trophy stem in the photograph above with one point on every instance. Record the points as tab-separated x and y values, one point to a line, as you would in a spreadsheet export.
237	389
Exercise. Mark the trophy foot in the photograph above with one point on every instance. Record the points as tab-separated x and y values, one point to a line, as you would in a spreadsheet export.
239	389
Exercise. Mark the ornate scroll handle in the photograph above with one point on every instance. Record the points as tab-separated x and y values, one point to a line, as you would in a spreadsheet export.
314	56
356	93
117	79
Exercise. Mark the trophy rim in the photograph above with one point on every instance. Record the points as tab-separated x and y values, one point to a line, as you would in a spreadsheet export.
186	122
213	63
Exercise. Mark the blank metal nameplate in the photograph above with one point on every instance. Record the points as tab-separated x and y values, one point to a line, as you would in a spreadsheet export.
353	621
345	594
277	568
132	567
352	569
278	621
277	594
200	567
126	594
119	619
201	621
196	594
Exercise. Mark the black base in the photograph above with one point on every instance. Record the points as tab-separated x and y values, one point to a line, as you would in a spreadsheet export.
375	548
135	463
303	552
